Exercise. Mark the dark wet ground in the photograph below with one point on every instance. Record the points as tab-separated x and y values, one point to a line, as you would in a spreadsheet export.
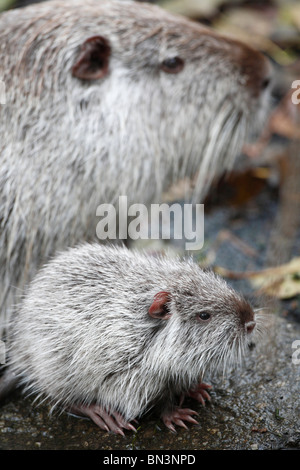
256	407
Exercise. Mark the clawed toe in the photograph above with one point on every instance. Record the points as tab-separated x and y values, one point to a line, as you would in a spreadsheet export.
105	420
177	416
199	393
112	421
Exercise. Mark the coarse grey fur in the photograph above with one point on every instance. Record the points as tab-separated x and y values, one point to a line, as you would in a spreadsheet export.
68	145
83	333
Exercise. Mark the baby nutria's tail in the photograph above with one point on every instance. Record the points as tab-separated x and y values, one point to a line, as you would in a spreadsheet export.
8	383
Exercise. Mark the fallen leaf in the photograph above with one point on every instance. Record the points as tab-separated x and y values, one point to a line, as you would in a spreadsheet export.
5	4
291	14
283	120
282	282
191	8
260	430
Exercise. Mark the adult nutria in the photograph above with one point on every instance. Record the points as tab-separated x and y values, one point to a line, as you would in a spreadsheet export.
109	332
108	98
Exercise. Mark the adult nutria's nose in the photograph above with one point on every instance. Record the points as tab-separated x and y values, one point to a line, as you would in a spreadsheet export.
254	67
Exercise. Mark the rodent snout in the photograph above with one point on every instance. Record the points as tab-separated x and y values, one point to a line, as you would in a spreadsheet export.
249	326
254	66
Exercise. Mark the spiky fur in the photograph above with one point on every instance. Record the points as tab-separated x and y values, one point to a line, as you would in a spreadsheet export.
83	333
67	146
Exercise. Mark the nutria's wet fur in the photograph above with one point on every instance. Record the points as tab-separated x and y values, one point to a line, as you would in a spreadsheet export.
119	329
108	98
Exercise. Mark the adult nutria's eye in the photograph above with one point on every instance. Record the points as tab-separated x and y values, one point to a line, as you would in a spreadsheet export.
204	316
172	65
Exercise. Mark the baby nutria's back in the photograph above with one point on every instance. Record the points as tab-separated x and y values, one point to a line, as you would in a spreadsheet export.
108	98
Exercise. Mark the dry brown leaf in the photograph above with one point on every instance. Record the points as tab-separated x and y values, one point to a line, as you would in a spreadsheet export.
284	118
283	121
191	8
282	282
291	14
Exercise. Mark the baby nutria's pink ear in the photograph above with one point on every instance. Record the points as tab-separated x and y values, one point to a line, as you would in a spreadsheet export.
93	60
159	307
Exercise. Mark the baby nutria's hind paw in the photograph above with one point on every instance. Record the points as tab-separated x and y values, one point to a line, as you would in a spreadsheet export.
199	393
110	421
177	415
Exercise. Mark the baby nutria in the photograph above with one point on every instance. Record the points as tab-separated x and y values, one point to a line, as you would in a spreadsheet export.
107	98
108	332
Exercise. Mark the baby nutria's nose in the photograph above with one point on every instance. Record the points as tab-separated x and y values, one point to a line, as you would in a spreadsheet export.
254	67
247	316
249	326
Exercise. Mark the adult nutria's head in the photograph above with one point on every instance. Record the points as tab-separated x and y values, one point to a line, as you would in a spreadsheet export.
132	84
108	98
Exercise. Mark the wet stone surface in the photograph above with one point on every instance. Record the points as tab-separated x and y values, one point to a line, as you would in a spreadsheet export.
256	406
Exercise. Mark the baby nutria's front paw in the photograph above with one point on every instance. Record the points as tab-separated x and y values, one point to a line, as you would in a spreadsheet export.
177	415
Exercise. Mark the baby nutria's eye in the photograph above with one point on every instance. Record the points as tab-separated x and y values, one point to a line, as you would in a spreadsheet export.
204	316
172	65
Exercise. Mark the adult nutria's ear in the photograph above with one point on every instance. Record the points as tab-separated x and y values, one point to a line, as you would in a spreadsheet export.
159	307
93	59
